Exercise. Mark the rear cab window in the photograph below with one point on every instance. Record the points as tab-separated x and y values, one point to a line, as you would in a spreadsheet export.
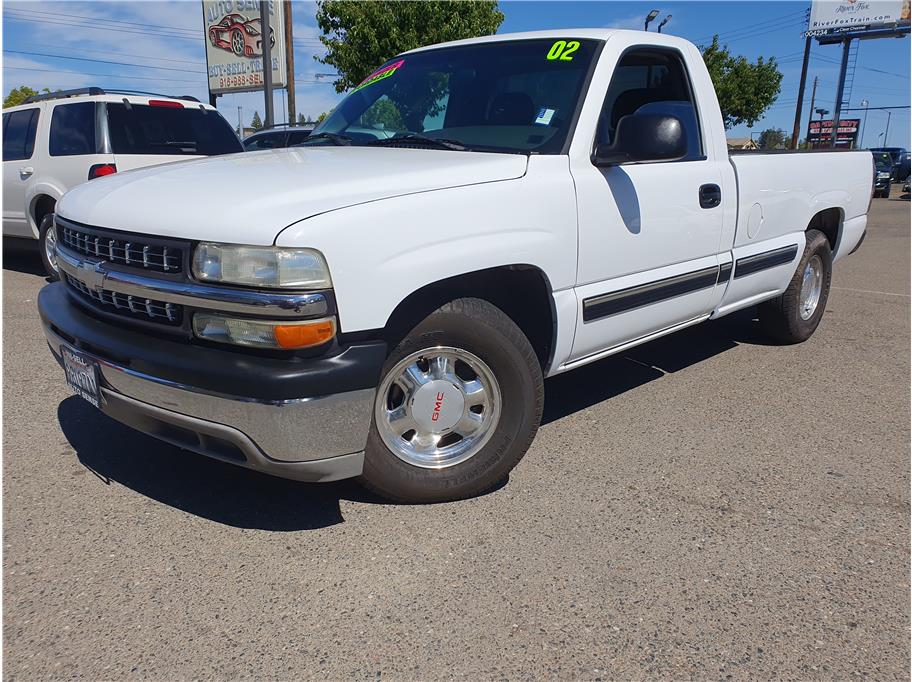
169	130
19	129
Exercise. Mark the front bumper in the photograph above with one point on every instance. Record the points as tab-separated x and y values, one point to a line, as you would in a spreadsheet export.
305	419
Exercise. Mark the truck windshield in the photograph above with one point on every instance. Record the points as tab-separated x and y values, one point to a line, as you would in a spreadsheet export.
512	96
141	129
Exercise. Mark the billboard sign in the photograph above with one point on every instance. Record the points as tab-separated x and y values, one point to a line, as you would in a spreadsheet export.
820	132
234	45
830	17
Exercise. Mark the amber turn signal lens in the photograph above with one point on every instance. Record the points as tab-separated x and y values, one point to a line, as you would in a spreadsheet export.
304	335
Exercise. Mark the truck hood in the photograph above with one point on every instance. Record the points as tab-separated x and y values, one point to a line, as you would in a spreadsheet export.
249	198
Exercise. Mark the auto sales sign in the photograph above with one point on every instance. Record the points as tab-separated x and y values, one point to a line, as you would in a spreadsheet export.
234	45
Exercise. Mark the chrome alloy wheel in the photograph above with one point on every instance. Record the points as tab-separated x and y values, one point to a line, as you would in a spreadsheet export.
437	407
811	287
50	246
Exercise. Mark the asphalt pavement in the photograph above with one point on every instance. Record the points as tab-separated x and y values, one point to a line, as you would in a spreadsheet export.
705	506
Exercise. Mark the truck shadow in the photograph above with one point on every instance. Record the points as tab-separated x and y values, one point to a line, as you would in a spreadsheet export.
22	256
574	391
238	497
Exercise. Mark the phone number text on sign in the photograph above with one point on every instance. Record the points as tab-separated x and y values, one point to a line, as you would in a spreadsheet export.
241	80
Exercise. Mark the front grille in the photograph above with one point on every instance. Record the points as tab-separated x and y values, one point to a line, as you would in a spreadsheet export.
135	306
133	252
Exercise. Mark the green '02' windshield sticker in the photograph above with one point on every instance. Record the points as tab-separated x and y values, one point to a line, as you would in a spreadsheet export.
563	50
380	74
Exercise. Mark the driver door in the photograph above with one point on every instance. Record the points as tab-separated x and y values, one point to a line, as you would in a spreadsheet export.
649	233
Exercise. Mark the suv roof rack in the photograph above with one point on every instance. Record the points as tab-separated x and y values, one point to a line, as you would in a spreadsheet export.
63	94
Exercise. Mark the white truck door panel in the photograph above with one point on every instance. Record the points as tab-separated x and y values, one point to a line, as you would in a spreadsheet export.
648	250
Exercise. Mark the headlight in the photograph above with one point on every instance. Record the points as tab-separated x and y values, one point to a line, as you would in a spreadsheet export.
883	176
261	266
263	333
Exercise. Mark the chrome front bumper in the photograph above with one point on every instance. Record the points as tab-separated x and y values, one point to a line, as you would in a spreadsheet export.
307	439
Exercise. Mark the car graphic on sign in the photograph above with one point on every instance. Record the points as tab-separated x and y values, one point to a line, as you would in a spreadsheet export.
240	35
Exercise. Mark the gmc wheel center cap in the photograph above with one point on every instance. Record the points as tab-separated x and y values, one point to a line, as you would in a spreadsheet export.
438	406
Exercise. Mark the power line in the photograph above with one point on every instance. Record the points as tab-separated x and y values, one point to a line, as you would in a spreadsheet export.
750	28
103	61
66	15
110	75
107	29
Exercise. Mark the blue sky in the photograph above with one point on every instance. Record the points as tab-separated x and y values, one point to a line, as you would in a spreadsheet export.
159	46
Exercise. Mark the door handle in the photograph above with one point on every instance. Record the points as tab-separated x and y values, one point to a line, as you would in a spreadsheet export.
710	196
26	171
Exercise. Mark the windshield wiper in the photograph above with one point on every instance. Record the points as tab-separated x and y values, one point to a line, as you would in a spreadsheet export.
335	138
416	137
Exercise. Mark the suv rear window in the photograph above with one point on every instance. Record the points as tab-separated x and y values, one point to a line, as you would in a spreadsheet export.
73	130
19	134
142	129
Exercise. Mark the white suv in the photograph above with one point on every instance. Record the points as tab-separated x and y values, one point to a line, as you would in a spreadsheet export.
56	141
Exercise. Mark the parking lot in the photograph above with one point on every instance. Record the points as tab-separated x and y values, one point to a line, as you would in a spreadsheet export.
707	505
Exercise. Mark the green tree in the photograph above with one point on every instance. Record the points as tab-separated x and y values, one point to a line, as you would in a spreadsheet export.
745	89
383	114
772	138
256	123
18	95
360	36
322	117
302	119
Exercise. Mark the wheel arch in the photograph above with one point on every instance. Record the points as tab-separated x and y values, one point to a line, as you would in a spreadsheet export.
521	291
828	221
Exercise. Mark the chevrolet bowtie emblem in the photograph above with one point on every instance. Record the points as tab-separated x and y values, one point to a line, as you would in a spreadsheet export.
92	275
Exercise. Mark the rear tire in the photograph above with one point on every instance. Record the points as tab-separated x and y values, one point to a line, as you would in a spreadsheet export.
794	316
484	353
47	240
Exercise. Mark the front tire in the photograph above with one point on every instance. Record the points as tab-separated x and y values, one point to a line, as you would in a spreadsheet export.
794	316
459	402
47	240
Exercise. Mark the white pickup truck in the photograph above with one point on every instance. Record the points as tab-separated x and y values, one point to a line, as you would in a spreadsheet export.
386	300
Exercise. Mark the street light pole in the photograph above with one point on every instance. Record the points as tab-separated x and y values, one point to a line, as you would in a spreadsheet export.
664	21
650	18
864	103
887	131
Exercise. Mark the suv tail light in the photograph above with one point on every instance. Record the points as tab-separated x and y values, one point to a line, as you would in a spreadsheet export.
165	103
100	169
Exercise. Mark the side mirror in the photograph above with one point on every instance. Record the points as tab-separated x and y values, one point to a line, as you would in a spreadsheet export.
643	137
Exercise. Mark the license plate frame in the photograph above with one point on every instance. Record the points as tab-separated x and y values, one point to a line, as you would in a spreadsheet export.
81	373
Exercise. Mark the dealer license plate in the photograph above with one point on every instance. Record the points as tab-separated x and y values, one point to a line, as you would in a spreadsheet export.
81	374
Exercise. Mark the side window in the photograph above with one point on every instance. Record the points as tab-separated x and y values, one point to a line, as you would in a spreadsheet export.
267	141
297	137
19	134
651	82
73	129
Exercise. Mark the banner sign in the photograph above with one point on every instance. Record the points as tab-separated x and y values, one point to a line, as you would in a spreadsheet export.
234	45
856	16
820	132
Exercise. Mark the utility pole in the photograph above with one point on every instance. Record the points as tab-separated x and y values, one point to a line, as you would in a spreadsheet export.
289	63
813	97
240	123
887	131
846	43
266	44
796	129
